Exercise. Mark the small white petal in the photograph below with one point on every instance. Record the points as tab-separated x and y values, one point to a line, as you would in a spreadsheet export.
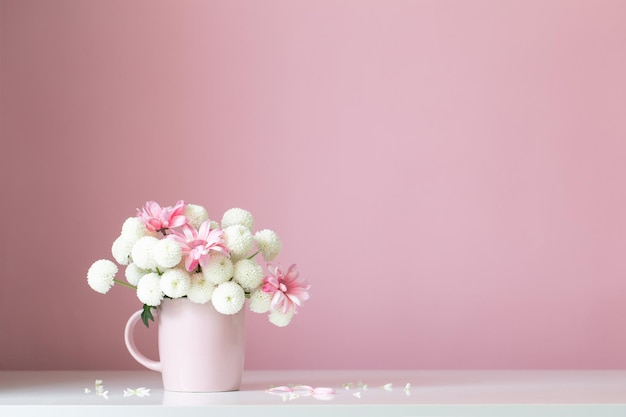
388	387
142	392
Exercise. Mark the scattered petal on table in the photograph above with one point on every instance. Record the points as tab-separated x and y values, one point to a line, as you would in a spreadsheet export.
139	392
323	390
323	397
388	387
278	390
303	390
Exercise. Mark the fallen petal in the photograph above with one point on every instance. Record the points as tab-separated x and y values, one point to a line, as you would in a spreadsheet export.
303	390
324	390
279	390
323	396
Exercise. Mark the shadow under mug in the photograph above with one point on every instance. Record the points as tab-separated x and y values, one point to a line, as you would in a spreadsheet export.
200	350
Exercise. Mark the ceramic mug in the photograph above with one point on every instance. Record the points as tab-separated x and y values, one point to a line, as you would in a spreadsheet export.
200	350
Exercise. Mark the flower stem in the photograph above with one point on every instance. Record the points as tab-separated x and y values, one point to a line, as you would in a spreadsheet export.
124	284
254	254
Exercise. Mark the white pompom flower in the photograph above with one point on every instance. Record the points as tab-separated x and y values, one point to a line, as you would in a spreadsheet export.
149	289
218	269
133	273
133	229
228	298
239	240
121	249
237	216
196	215
280	319
143	252
175	282
268	243
167	253
101	275
248	273
260	301
201	289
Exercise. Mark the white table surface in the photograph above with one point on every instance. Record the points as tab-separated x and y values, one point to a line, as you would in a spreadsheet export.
431	393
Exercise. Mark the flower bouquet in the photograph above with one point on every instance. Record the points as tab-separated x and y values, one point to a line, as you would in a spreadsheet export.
176	251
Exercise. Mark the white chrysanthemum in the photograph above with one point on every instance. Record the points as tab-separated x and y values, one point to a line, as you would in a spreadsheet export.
268	243
133	273
101	274
167	253
201	289
143	252
149	289
218	269
239	240
228	297
236	216
122	246
175	282
260	301
280	319
196	215
248	273
133	229
214	225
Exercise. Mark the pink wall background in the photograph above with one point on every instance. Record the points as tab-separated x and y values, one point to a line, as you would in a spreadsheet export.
449	175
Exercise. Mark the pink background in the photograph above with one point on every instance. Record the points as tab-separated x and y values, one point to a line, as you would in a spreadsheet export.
449	175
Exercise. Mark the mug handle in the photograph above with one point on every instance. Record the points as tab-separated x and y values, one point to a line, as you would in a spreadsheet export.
129	339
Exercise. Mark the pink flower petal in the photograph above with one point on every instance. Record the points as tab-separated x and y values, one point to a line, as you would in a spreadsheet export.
279	390
323	390
303	390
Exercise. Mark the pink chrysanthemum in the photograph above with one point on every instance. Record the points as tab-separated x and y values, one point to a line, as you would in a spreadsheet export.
198	245
157	218
288	290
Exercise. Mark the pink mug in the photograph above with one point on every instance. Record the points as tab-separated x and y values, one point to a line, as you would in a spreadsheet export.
200	349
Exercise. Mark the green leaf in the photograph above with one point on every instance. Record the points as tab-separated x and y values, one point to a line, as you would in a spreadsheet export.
146	314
